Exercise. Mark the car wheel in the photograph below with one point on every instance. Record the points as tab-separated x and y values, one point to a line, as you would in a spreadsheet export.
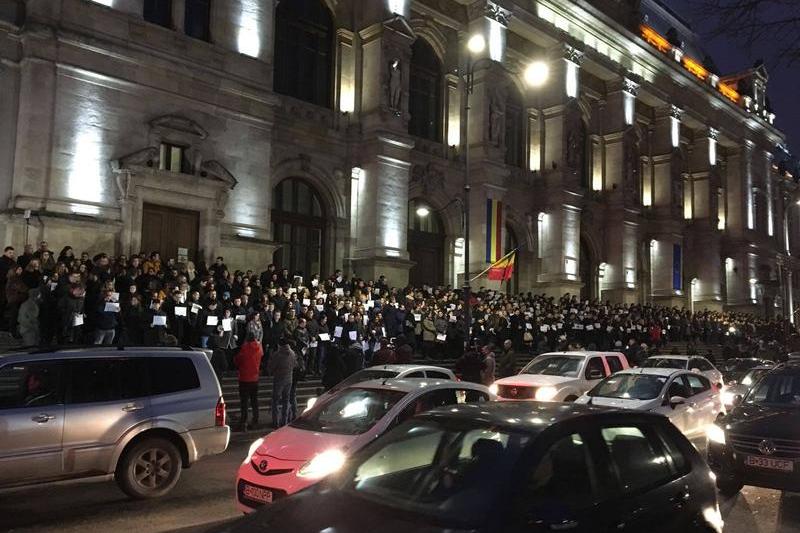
570	398
149	469
729	487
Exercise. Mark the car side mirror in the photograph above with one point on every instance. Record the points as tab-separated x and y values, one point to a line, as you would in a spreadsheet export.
595	374
676	401
737	400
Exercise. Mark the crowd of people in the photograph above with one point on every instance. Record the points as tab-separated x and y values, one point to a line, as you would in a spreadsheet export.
291	326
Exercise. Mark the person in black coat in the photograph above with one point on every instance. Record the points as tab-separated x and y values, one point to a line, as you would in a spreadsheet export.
469	366
335	369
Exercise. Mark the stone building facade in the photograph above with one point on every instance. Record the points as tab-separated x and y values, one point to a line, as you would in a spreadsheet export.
324	134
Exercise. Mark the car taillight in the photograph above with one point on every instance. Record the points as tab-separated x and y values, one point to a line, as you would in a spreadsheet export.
219	413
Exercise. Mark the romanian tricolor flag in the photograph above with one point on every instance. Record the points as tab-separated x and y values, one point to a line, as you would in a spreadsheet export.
503	269
494	230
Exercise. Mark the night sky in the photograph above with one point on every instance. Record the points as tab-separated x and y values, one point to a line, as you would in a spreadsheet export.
730	57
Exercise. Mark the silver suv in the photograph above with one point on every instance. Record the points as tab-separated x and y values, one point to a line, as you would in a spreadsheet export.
137	415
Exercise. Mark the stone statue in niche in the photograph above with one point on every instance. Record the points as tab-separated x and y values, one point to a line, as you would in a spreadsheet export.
395	87
574	152
497	117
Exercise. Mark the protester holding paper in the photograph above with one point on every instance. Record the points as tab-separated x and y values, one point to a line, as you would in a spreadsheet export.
106	319
154	335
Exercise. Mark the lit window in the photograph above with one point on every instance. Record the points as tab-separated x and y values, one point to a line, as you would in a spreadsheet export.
172	158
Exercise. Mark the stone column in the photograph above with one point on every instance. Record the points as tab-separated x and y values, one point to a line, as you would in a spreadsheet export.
383	199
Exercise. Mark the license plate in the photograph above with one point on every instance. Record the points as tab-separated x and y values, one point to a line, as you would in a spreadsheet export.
769	463
257	494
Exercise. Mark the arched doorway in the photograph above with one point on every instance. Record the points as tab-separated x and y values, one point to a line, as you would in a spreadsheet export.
588	272
425	244
298	224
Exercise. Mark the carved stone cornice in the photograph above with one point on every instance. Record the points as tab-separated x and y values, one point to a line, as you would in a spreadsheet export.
630	86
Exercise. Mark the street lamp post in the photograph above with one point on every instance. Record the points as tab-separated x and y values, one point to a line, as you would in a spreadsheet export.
535	75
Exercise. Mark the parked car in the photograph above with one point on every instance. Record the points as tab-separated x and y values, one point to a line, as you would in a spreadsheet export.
686	398
137	415
742	386
559	376
733	370
693	363
758	441
511	467
387	371
317	443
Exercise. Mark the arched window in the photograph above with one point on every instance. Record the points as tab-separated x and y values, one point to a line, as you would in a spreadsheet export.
425	244
298	223
425	92
303	51
515	129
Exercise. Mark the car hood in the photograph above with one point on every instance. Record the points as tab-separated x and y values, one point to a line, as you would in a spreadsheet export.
292	444
620	403
323	509
535	380
764	421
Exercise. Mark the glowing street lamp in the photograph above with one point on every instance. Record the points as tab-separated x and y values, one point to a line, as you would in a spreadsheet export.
536	74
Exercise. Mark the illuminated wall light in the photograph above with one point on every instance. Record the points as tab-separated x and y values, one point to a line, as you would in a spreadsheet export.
249	38
86	175
729	263
536	74
398	7
675	131
496	41
629	104
695	68
654	38
630	277
572	80
246	232
729	92
712	147
721	222
391	238
570	266
347	99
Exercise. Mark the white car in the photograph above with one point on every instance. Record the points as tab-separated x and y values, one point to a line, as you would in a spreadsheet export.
386	372
559	376
688	399
692	363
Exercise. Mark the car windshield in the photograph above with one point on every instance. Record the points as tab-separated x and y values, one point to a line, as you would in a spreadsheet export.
753	376
450	473
663	362
776	389
366	375
630	387
557	365
350	412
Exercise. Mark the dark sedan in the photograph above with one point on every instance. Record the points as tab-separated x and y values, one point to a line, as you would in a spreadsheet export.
733	370
510	467
758	441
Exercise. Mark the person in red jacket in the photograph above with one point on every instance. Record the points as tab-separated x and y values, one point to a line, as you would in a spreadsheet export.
248	361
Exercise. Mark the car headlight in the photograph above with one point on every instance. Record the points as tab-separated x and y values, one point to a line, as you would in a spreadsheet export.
546	394
713	518
493	388
253	447
310	403
715	434
323	464
728	397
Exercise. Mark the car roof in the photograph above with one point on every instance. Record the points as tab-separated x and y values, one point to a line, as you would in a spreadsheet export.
525	415
682	357
48	354
413	384
657	371
406	368
581	353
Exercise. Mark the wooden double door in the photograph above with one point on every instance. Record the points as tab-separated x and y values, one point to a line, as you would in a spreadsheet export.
427	252
170	231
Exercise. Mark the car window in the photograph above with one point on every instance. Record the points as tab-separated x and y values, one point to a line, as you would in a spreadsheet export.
565	474
637	457
105	380
172	374
417	374
697	384
678	387
705	365
351	411
35	384
595	364
437	374
614	363
695	363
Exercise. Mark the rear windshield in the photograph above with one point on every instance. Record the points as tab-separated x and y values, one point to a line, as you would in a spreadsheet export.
664	362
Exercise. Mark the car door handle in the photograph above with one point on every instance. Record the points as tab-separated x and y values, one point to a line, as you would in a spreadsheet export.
131	407
42	418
